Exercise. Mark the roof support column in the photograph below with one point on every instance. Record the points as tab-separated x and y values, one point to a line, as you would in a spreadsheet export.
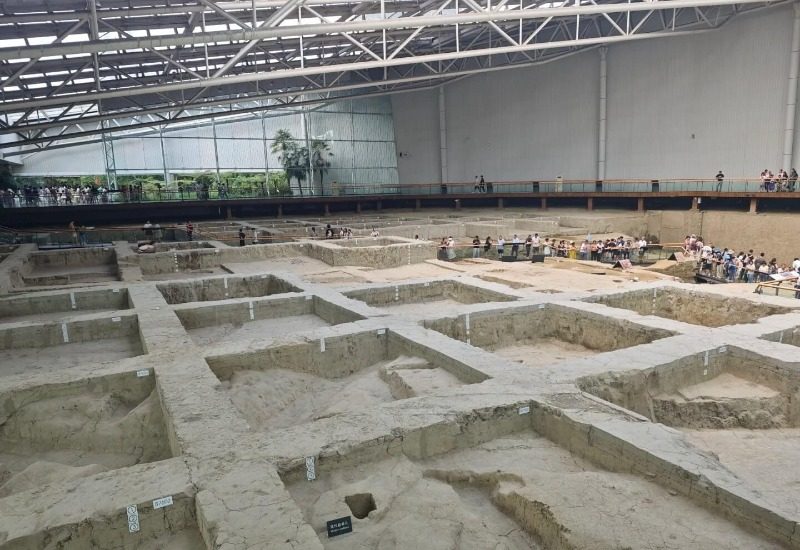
442	135
601	134
791	94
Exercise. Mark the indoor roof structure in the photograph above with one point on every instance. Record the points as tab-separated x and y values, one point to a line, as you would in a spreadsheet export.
76	69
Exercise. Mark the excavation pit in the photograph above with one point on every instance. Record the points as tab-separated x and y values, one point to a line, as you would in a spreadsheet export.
292	384
55	307
66	267
257	319
499	484
420	297
789	336
36	349
539	335
55	433
723	388
224	288
696	308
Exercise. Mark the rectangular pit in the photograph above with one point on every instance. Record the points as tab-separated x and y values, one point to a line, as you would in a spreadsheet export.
419	297
697	308
224	288
292	384
71	266
60	432
35	349
256	319
724	388
494	482
55	307
541	334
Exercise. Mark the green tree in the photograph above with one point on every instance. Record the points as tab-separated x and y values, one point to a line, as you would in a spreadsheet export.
320	153
291	157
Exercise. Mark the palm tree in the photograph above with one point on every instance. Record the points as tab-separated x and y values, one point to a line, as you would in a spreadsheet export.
320	152
290	156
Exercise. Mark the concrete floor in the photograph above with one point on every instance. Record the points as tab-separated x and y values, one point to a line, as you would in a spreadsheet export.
435	442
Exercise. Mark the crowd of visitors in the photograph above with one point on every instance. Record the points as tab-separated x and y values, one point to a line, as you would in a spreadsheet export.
781	182
53	196
725	263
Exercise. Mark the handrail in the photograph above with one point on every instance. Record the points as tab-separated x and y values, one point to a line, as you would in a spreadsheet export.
131	194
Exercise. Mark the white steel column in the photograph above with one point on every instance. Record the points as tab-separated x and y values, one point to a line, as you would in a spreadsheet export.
791	93
443	134
601	137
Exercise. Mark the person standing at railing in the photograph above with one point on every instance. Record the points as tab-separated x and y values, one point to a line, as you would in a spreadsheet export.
536	244
720	178
476	247
528	246
487	246
515	246
792	180
559	184
451	248
501	246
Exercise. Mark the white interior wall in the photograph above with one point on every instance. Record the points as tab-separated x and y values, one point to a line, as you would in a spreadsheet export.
727	87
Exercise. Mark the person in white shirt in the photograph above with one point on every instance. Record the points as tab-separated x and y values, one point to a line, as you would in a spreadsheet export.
515	246
536	244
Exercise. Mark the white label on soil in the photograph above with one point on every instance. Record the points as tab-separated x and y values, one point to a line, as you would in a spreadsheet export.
311	469
116	319
72	300
309	297
525	410
723	349
322	344
427	284
65	332
162	502
705	372
466	321
780	338
115	291
381	331
541	306
142	373
133	519
225	281
252	316
705	360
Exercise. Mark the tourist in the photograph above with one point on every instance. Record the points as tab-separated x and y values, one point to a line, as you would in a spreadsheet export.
501	245
451	248
515	242
313	232
584	250
792	180
443	249
548	251
537	244
189	230
720	178
476	247
477	188
73	227
148	230
572	251
528	245
487	246
241	236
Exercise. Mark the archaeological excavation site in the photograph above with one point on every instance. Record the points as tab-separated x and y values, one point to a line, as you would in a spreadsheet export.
373	393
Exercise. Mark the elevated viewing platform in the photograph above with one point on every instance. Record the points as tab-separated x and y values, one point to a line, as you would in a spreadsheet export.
134	205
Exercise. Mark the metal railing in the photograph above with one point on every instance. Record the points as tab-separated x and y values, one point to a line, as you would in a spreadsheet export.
553	187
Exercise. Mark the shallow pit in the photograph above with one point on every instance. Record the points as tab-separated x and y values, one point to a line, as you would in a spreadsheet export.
420	297
55	433
55	307
697	308
724	388
499	484
36	349
223	288
292	384
539	335
257	319
71	266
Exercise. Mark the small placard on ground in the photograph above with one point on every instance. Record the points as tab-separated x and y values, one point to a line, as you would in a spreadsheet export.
340	526
162	502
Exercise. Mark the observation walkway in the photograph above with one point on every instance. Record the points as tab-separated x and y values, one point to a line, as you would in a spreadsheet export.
132	205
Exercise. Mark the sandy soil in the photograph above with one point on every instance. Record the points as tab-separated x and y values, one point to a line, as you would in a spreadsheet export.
190	274
277	398
765	459
63	438
428	381
421	308
254	331
474	498
544	352
50	317
29	360
89	273
187	539
727	386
